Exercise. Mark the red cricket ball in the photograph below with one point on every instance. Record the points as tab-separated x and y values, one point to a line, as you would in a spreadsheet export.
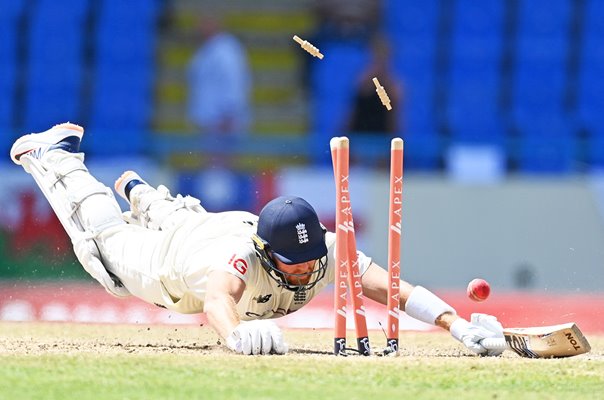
478	289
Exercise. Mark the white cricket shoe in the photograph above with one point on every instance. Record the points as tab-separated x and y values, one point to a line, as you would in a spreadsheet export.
66	136
124	184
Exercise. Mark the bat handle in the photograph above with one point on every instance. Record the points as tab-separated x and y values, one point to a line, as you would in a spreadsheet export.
494	343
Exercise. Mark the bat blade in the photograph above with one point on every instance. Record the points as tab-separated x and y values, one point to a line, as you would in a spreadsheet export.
564	340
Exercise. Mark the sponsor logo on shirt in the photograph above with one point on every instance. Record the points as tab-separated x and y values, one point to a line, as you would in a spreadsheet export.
239	264
263	298
300	297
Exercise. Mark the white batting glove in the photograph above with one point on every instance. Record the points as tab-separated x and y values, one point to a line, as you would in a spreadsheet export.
471	333
257	337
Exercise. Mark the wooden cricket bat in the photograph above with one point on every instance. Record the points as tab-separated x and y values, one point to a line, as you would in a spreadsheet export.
564	340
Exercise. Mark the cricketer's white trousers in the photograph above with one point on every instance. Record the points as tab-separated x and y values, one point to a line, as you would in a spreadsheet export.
134	254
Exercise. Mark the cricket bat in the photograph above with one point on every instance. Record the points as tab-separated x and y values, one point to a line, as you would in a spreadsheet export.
564	340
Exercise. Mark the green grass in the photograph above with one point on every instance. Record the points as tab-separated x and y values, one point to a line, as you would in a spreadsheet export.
61	361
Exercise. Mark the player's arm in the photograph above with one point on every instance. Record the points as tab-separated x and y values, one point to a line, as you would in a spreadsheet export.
423	305
220	304
255	337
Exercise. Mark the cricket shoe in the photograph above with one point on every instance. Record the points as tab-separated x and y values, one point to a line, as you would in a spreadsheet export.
66	136
125	183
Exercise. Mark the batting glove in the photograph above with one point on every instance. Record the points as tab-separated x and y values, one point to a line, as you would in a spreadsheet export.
257	337
472	333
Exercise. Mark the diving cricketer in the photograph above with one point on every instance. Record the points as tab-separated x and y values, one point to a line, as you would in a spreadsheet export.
240	269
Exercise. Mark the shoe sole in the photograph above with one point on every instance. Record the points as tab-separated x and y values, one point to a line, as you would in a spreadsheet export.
33	141
120	183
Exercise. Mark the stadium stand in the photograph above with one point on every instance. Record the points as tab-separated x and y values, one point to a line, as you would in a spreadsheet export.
524	73
412	29
539	87
332	90
590	98
122	95
9	20
55	56
474	81
332	83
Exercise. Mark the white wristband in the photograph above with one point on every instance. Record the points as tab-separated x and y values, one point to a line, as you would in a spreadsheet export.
425	306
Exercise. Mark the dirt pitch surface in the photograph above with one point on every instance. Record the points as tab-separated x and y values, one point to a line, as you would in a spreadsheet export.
25	338
148	362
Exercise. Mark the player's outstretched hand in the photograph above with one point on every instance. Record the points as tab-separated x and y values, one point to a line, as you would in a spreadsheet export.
257	337
471	333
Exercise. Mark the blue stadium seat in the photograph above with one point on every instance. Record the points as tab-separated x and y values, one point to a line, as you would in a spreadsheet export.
11	9
539	89
8	73
595	151
409	18
540	68
73	11
418	110
131	11
478	18
333	84
422	152
548	145
129	46
590	101
6	108
135	75
48	105
8	44
10	12
125	39
590	93
474	80
545	18
121	106
473	107
593	18
548	156
114	141
47	48
54	63
419	125
412	29
592	51
477	32
122	96
473	113
119	119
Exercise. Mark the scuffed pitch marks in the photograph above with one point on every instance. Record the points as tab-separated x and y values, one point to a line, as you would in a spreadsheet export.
172	348
69	339
70	347
73	339
303	351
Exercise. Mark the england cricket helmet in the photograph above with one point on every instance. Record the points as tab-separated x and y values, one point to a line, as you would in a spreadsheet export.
289	230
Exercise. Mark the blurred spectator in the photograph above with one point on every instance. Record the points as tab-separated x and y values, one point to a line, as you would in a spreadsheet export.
219	82
340	22
368	114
